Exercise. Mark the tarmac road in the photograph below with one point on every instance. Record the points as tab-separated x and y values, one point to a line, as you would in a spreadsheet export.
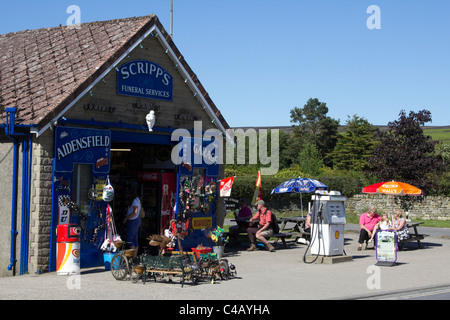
435	293
264	276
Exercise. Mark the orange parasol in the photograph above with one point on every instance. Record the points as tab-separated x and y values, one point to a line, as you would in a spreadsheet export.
393	188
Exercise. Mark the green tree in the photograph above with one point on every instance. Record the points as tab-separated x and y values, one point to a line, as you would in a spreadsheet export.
312	124
406	154
354	146
310	160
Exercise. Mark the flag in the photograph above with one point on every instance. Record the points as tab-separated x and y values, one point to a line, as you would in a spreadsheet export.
225	186
258	190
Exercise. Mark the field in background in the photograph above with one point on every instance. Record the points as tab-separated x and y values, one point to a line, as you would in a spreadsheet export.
439	133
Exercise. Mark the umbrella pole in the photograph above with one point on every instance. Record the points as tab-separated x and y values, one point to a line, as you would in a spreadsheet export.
392	206
301	203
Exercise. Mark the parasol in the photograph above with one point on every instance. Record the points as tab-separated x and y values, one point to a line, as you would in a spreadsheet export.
394	188
299	185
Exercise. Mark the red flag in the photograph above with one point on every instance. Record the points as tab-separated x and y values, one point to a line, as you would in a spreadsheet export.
225	186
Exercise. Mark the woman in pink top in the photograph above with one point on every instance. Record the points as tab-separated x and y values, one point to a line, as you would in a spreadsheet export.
367	221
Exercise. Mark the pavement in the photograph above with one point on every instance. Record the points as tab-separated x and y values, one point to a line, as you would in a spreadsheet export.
262	276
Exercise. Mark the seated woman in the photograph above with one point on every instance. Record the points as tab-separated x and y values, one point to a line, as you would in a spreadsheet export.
399	226
244	213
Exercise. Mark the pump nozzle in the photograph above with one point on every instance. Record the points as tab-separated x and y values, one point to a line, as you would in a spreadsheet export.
319	214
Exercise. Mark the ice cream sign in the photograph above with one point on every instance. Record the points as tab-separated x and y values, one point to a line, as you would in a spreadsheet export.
82	146
144	79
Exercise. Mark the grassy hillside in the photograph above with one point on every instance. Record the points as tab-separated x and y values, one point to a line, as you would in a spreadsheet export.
439	133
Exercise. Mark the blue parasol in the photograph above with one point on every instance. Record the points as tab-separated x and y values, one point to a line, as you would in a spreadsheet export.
299	185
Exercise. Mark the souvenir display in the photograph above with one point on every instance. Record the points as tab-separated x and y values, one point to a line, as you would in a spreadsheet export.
195	196
108	192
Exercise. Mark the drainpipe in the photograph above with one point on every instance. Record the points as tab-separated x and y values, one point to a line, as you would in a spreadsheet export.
23	226
9	130
26	184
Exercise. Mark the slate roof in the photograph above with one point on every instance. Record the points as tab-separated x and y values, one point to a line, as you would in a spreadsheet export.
42	71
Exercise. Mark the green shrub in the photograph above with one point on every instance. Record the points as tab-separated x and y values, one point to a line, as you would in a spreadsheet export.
348	184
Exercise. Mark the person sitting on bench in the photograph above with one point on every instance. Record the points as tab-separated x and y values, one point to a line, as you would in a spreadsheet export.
264	229
241	226
399	225
244	213
367	221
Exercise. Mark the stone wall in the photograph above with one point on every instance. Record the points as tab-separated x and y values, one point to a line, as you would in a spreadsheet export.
426	208
41	202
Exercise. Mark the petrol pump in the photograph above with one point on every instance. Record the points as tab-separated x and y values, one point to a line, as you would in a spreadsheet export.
327	223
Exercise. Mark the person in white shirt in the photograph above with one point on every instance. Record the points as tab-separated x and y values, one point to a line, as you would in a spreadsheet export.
384	224
132	220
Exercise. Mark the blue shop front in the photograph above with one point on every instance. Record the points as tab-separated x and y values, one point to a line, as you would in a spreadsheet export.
86	160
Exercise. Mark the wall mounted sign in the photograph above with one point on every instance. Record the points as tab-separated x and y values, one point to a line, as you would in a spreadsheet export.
144	79
83	146
198	153
201	223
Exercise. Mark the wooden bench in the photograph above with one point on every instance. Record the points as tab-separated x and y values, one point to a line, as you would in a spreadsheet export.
413	237
279	236
283	236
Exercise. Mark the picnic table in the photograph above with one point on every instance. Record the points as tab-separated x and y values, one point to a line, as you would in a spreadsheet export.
298	223
414	235
244	222
298	229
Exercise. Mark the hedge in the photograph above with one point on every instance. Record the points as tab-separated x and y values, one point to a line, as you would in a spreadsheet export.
244	187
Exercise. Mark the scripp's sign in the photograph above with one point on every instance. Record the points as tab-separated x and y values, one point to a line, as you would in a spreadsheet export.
83	146
144	79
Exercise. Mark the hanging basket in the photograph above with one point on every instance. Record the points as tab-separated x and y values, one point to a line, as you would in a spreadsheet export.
118	244
130	253
139	269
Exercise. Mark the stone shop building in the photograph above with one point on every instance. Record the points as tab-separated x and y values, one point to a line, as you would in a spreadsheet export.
83	106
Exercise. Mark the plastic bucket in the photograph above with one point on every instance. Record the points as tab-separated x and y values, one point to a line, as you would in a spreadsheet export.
200	251
218	250
107	260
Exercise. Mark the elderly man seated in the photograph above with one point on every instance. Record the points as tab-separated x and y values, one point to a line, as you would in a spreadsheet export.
264	228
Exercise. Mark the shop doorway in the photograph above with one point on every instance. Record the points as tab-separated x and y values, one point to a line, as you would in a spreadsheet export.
148	169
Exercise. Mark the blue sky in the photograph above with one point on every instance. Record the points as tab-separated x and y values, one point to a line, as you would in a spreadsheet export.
258	59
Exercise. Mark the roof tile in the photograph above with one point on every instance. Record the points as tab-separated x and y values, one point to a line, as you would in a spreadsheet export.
44	70
45	67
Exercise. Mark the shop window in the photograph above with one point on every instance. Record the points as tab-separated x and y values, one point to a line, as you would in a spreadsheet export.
82	182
